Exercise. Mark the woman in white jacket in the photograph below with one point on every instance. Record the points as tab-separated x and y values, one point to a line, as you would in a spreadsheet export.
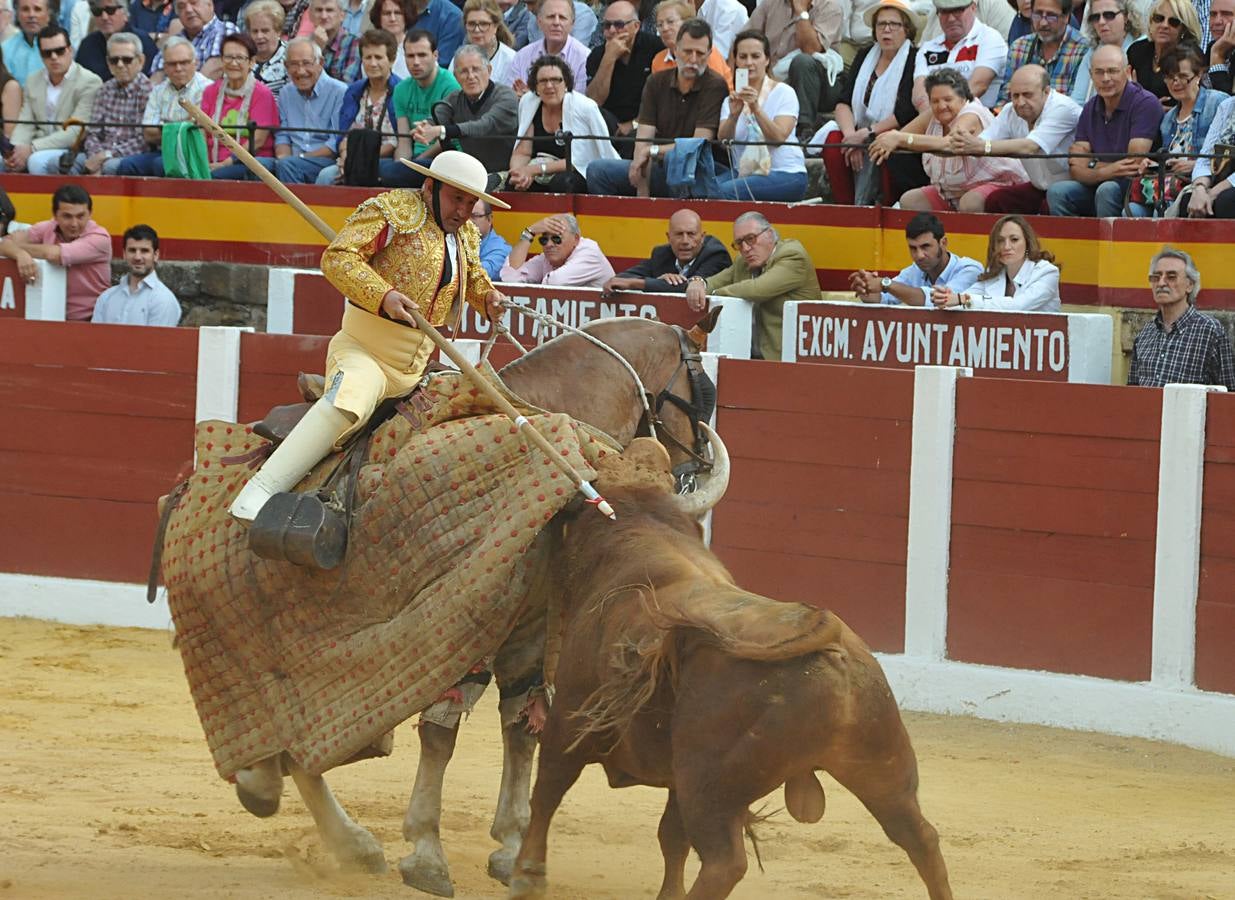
538	162
1020	276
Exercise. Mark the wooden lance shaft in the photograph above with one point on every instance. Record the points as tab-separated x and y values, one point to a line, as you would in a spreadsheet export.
525	427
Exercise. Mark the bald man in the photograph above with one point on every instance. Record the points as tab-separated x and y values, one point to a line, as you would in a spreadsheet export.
1037	120
690	252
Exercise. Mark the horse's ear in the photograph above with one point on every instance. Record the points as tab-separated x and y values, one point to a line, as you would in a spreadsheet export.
708	322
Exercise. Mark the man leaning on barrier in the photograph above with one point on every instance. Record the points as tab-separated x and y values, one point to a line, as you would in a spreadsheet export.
1180	345
690	252
933	266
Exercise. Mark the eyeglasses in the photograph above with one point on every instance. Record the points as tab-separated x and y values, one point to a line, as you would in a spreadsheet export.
1168	277
545	238
481	215
891	25
121	60
1049	18
104	10
610	24
49	52
479	26
549	82
749	240
951	13
1158	19
1179	77
235	59
1107	15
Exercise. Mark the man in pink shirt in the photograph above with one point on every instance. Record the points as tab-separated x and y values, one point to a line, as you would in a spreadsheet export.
70	238
568	259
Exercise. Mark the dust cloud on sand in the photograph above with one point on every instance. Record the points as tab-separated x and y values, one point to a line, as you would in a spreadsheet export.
107	791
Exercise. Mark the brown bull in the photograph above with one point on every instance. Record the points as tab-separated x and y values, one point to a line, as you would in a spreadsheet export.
671	676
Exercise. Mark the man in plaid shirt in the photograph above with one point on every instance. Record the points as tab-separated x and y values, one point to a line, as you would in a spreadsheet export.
1180	345
340	48
1054	45
123	99
205	31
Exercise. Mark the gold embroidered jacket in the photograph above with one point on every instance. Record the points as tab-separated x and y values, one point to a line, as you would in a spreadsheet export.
391	241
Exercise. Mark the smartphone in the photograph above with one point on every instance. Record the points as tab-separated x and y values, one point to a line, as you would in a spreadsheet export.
741	79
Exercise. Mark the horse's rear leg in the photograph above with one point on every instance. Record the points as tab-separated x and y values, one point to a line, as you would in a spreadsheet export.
511	817
675	847
425	868
260	787
555	774
352	846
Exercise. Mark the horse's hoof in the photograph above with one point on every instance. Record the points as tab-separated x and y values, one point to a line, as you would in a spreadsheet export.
361	852
262	807
501	865
430	879
527	887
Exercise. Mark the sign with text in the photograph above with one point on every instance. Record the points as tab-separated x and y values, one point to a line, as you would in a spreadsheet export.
12	291
994	344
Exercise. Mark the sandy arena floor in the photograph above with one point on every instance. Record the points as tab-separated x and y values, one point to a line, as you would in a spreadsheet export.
107	791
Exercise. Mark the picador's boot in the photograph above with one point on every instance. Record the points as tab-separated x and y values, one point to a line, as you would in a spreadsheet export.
298	528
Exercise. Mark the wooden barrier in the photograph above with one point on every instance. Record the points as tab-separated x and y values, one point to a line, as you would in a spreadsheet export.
43	300
1081	583
1103	261
1039	346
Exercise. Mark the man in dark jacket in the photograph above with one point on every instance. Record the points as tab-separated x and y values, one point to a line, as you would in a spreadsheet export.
689	252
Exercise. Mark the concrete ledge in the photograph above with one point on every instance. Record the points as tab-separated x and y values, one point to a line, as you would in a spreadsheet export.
1192	718
78	601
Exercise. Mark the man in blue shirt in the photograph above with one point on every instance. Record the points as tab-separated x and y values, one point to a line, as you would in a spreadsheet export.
493	247
21	51
933	266
140	298
445	21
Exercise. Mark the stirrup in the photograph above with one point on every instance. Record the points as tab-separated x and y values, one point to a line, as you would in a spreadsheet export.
302	529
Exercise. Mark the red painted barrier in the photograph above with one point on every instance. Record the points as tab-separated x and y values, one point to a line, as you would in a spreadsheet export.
1053	523
99	422
817	510
1215	609
12	291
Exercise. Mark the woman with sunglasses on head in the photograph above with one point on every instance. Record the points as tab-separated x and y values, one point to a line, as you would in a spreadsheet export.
1105	22
484	26
1171	23
569	259
1020	276
234	101
1183	130
538	162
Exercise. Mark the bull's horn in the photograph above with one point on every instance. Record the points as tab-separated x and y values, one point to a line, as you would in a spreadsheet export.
712	487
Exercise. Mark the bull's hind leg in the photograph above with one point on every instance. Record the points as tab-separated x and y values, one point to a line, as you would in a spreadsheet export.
675	847
555	774
260	787
352	846
425	868
715	830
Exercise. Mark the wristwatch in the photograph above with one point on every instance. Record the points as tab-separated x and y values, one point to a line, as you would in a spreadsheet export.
885	282
526	235
1093	163
804	15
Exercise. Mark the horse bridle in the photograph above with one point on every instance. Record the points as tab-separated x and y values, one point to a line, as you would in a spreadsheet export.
697	409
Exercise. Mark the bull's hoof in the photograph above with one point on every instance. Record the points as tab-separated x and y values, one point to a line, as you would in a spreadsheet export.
422	876
262	807
502	865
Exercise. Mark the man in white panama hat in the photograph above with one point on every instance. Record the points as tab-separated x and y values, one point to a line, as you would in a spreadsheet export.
400	250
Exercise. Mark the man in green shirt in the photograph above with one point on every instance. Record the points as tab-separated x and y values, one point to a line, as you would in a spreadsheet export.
413	104
768	271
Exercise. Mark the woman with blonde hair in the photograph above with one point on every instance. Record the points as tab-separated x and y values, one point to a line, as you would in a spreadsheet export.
484	26
1105	22
1020	276
1171	23
263	21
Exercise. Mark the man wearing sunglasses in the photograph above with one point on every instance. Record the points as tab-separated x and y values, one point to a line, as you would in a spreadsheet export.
767	272
568	260
112	17
37	148
21	51
1180	345
123	99
1054	45
618	69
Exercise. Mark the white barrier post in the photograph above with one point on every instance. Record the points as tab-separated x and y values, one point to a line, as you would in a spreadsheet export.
46	299
1177	553
732	335
218	372
930	510
281	301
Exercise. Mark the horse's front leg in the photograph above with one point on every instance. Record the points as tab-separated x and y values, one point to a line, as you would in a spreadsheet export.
426	868
352	846
260	787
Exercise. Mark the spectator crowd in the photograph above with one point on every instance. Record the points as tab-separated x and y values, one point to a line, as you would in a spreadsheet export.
1107	107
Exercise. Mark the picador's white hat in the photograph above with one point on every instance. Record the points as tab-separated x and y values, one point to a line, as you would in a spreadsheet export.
458	169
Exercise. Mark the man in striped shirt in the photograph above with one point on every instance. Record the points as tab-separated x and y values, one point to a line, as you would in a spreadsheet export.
1180	345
